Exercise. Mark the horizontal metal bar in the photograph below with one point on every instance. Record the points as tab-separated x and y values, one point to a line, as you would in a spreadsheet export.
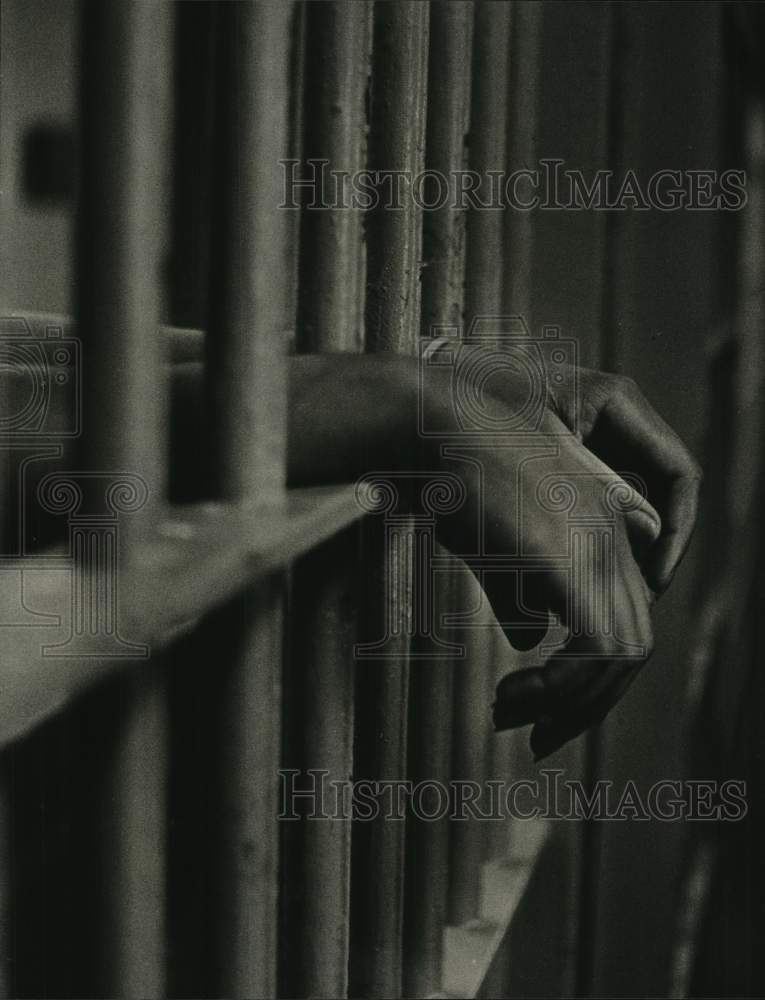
199	560
470	950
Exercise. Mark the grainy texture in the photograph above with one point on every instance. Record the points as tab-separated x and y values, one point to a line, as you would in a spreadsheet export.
486	263
663	273
319	709
251	301
331	306
125	92
252	290
430	692
396	142
560	110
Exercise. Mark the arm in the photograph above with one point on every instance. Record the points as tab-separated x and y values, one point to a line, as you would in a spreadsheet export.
354	414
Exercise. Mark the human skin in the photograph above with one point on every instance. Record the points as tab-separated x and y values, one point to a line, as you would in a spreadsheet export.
350	415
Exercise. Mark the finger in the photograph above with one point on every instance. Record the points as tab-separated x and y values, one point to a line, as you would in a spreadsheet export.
628	432
534	693
623	651
672	544
642	520
623	497
549	735
592	671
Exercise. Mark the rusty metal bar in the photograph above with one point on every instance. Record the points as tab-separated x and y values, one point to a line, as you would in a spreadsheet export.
488	152
396	142
474	678
126	52
319	682
330	310
430	692
443	228
251	312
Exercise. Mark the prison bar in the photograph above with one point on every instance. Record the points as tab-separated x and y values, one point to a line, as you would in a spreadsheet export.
213	554
430	694
124	103
392	321
525	80
251	302
475	676
578	303
319	678
641	284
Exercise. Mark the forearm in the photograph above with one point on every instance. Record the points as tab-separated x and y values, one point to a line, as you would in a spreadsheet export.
350	414
347	414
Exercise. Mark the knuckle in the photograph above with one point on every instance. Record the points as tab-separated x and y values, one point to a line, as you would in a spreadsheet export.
695	471
625	385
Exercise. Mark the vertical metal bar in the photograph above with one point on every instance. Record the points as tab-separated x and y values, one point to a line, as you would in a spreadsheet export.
6	761
125	96
397	142
193	158
488	152
557	275
122	233
251	302
251	296
568	119
443	229
316	863
661	266
318	737
575	291
430	694
475	677
330	311
521	154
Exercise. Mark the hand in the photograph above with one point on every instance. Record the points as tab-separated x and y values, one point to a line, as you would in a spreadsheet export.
607	610
354	414
617	425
